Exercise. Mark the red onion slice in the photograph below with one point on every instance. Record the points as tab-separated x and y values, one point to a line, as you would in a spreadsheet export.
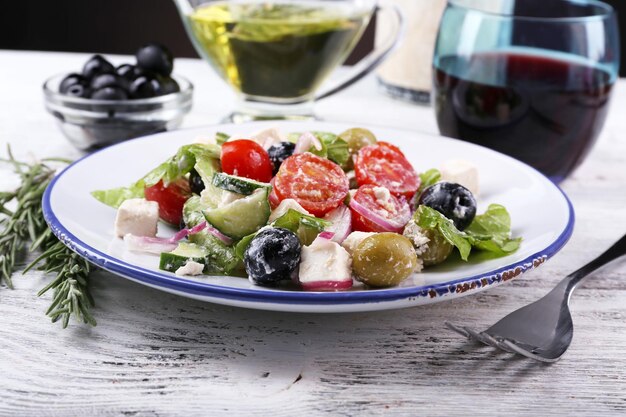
156	245
327	285
385	224
326	235
225	239
197	229
159	245
181	234
305	141
341	220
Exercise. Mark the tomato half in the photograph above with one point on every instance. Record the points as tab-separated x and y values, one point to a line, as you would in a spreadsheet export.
319	185
273	198
386	212
171	199
246	158
385	165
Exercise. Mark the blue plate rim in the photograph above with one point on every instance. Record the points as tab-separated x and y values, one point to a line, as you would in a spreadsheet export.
171	282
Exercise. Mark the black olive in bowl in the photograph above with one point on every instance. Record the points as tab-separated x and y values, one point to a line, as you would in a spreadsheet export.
93	119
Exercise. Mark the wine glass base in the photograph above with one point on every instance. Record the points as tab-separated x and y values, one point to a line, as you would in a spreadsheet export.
240	117
248	110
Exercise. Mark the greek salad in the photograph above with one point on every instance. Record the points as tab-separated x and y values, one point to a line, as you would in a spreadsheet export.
320	209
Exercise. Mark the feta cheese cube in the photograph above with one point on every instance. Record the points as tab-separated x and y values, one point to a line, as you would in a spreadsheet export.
461	172
383	197
354	239
268	137
190	268
138	217
324	260
284	207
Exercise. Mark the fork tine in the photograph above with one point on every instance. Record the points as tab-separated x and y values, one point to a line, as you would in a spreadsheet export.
483	338
515	348
500	343
457	329
491	341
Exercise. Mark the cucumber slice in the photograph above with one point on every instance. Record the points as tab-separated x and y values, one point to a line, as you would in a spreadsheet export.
241	217
189	250
184	253
236	184
217	258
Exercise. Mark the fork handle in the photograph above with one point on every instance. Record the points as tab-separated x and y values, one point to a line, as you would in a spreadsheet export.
572	280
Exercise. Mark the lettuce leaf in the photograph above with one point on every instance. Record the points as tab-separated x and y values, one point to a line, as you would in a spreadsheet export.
221	138
305	227
429	218
333	147
242	245
336	148
427	178
490	232
204	158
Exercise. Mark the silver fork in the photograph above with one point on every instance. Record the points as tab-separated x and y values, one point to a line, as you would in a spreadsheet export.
542	330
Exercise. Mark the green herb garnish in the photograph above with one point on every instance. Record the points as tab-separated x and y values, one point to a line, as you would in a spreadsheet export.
24	227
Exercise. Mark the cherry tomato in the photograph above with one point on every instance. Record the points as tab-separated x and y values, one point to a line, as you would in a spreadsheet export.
273	198
319	185
246	158
385	165
170	199
388	213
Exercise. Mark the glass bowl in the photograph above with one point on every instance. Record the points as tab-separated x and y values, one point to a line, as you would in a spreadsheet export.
92	124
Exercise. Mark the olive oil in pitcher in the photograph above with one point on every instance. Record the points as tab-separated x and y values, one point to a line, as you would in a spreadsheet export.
276	51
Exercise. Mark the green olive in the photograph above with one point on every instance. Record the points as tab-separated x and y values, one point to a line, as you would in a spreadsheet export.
384	259
438	248
356	138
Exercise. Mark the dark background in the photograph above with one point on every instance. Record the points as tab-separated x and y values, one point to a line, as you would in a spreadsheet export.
104	26
120	26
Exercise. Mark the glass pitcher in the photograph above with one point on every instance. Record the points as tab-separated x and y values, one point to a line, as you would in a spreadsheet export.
277	54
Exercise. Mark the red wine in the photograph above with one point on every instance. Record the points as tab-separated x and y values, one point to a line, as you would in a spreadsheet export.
543	111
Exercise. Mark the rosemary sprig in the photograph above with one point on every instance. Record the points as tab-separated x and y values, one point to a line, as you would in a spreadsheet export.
26	224
26	221
71	296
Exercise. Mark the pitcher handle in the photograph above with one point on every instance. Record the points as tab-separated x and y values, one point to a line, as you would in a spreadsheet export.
374	58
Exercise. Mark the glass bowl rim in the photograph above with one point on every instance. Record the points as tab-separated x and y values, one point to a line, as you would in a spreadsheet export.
50	93
607	11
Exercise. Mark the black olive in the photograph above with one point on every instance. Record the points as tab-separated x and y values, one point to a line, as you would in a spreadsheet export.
272	256
108	80
452	200
145	86
156	58
97	65
109	93
78	90
126	71
279	152
70	80
168	85
195	182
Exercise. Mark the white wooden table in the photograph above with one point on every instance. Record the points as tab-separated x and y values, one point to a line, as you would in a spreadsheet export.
155	354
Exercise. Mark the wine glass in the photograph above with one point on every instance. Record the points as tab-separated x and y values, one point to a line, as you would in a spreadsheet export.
532	79
277	54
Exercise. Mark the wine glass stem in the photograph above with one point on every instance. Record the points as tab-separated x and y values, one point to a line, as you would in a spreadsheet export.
247	110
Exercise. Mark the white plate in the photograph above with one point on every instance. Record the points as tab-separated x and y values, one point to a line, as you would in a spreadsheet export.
540	213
